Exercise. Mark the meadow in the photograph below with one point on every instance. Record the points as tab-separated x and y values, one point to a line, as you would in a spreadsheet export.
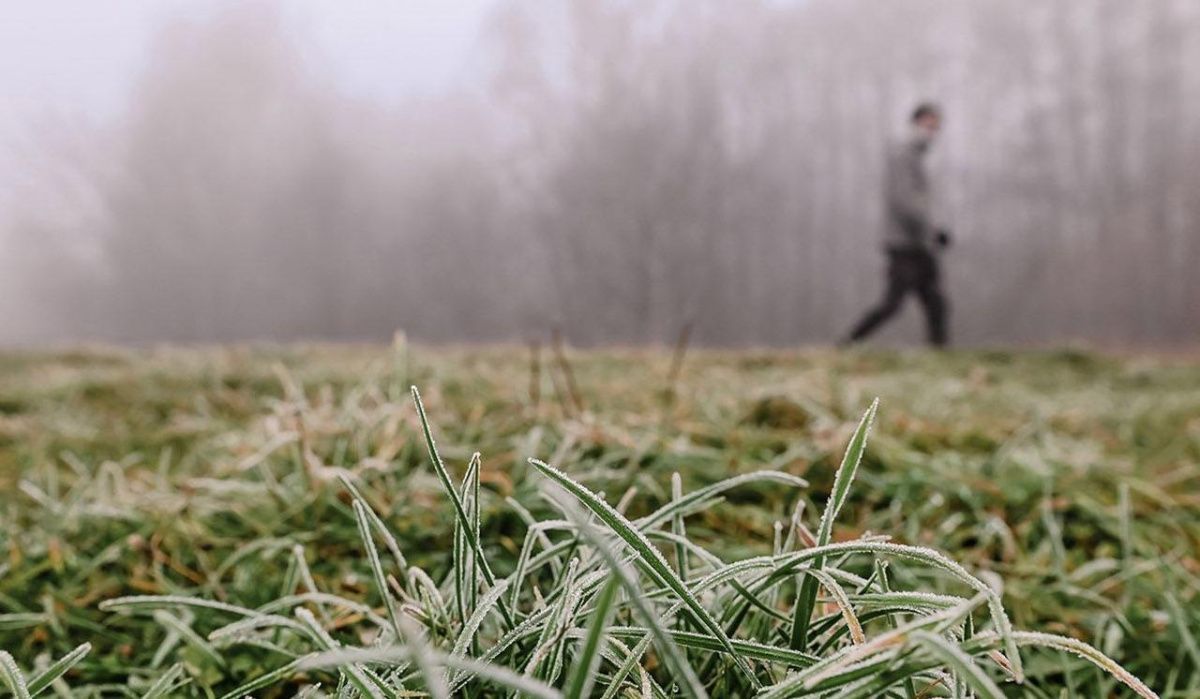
282	521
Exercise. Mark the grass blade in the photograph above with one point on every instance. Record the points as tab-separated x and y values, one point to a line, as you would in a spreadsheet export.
677	527
435	683
697	499
12	676
1089	653
963	666
366	683
648	555
189	636
466	637
364	532
57	669
269	678
470	667
807	597
21	620
587	660
380	527
166	683
674	657
152	602
468	530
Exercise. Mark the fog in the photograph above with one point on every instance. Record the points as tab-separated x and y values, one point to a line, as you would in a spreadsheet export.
619	169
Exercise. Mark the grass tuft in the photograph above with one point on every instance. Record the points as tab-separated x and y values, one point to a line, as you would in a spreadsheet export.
428	574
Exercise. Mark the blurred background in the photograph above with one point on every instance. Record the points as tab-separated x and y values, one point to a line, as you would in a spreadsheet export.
484	170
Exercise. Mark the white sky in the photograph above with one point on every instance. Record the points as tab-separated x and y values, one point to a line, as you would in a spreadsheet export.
79	57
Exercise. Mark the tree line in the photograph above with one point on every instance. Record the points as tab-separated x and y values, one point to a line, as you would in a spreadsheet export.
619	168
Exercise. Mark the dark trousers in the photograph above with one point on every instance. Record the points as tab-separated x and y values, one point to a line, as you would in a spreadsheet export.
913	271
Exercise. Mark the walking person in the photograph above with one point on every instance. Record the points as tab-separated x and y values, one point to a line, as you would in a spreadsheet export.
911	241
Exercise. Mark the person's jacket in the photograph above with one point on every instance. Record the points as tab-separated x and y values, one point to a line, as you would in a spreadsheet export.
908	224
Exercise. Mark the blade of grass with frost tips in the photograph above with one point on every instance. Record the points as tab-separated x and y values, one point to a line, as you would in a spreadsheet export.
918	553
242	627
699	641
672	655
12	676
288	602
1087	652
527	517
1180	618
681	560
21	620
444	476
189	636
291	576
366	682
548	639
552	556
717	565
435	683
519	572
523	686
427	589
806	598
471	667
910	600
466	637
269	678
528	627
989	641
807	680
843	604
261	644
709	559
795	527
380	527
259	546
881	570
57	669
963	666
466	584
856	662
306	576
151	602
166	683
364	532
471	626
830	640
473	576
457	556
587	660
648	554
626	666
697	499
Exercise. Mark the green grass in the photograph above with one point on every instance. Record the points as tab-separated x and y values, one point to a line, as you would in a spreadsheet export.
280	518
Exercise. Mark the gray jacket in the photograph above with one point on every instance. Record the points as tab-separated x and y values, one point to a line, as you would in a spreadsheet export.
908	224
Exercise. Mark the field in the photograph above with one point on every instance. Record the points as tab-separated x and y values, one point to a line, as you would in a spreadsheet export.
284	498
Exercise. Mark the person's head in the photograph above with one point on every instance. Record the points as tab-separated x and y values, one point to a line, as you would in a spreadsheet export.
926	122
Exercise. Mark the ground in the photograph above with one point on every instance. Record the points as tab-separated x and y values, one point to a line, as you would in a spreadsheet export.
1073	476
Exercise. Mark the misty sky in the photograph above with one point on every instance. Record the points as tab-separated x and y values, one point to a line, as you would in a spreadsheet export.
79	57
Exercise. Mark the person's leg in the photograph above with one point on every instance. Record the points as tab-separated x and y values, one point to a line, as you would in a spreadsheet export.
929	291
897	285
